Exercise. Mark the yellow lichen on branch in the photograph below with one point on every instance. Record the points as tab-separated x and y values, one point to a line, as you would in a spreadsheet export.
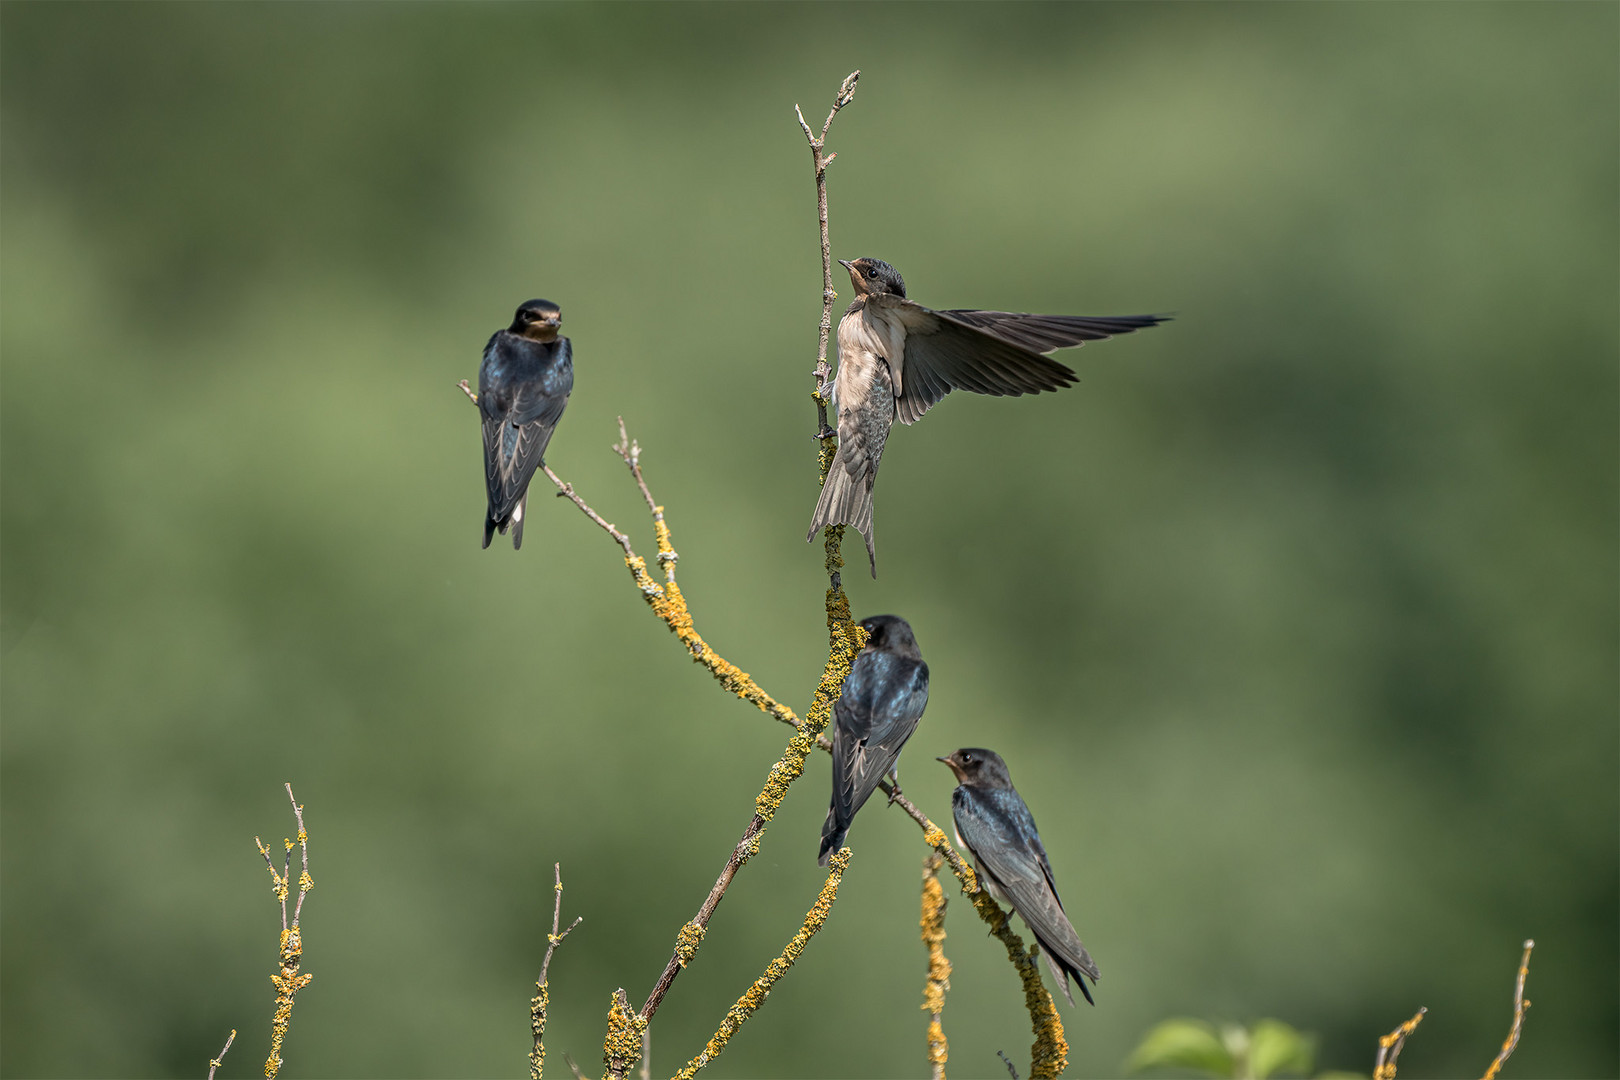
1389	1046
287	980
1049	1054
1521	1005
755	995
939	968
622	1047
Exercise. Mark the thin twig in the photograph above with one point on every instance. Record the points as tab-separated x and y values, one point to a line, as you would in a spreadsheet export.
1012	1070
572	1067
939	968
219	1058
1520	1007
646	1053
542	998
1389	1046
756	994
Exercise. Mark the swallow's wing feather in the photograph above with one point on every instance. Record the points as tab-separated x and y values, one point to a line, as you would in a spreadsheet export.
1043	333
999	829
519	417
945	354
883	699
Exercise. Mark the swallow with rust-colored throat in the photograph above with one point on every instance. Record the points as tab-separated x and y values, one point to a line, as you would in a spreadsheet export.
523	387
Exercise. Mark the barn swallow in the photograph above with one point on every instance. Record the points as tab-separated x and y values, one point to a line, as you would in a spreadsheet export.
996	828
523	387
883	698
897	359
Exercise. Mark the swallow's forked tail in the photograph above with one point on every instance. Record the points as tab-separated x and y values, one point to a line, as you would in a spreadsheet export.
832	837
845	501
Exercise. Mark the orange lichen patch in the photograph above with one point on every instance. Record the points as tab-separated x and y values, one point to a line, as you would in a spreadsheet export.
687	942
755	995
939	968
622	1047
537	1027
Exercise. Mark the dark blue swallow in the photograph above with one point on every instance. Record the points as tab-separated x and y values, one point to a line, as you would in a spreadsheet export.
883	698
523	387
996	828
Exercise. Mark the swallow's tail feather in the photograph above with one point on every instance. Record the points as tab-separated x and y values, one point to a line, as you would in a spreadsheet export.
846	500
517	520
1061	972
832	837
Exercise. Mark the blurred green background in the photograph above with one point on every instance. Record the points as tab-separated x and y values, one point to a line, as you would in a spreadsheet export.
1296	620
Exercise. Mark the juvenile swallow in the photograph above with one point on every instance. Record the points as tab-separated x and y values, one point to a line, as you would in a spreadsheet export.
523	387
897	359
883	698
996	828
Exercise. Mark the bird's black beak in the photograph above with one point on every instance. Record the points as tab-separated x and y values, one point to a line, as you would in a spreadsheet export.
846	265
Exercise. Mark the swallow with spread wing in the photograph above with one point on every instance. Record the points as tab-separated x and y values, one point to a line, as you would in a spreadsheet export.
997	829
523	387
897	359
883	698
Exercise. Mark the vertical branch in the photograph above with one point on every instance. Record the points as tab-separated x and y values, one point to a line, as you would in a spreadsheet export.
939	968
1389	1046
1520	1007
756	994
823	374
542	997
287	981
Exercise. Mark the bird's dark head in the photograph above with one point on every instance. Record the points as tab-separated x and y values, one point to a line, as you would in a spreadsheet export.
891	633
980	768
873	277
537	320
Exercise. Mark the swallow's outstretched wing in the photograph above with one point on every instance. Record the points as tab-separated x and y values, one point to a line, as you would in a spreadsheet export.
987	352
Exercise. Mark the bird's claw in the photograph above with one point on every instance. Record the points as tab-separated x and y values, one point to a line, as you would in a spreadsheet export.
894	792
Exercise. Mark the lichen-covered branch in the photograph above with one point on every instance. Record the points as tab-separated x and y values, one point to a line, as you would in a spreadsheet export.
939	968
1049	1054
1520	1007
287	981
844	641
542	998
1389	1046
219	1059
756	994
622	1047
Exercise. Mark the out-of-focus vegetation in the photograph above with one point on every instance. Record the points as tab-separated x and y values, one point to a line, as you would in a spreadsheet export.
1295	621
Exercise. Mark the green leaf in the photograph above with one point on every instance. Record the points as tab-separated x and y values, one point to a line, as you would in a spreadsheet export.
1182	1043
1275	1047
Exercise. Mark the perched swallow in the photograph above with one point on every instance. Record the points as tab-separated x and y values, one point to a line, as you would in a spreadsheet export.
897	359
523	387
883	698
996	828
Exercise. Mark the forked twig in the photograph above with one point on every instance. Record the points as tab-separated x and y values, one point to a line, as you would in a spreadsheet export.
542	998
287	981
1389	1046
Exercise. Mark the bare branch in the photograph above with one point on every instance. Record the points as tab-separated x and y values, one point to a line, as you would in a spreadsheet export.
939	968
542	997
755	995
1520	1007
219	1059
1389	1046
1012	1071
572	1067
820	160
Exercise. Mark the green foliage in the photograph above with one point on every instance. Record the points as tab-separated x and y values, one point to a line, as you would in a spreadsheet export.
1270	1048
